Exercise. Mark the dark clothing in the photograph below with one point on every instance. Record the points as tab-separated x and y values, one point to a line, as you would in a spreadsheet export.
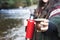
53	32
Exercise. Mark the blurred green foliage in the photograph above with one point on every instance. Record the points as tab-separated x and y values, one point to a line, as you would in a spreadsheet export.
5	4
10	3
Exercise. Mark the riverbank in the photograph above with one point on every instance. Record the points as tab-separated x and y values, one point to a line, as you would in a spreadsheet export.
16	32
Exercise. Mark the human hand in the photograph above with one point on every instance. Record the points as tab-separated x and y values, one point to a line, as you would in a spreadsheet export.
42	25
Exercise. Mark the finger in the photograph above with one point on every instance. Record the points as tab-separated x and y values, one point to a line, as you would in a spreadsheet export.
25	22
44	28
44	20
41	19
44	23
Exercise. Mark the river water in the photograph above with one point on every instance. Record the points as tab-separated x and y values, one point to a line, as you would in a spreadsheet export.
13	22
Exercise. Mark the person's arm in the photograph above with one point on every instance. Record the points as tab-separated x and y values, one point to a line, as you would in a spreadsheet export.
55	22
52	27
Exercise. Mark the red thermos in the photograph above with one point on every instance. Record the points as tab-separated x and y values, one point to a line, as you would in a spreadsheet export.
30	28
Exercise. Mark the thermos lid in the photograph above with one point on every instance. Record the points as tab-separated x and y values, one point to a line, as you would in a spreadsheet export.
31	16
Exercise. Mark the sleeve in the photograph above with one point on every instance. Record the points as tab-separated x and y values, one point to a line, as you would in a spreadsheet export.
54	24
55	20
52	29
